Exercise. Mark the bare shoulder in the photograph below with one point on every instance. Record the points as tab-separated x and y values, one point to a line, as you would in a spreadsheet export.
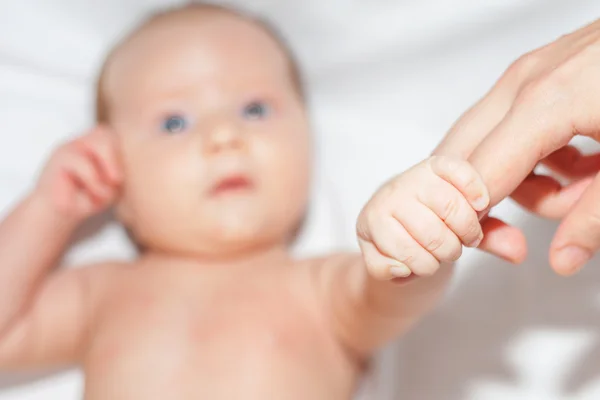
93	281
53	329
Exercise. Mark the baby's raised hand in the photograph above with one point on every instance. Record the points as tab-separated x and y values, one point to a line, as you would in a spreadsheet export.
422	218
82	177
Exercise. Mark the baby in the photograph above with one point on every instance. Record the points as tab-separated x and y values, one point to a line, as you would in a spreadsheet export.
203	148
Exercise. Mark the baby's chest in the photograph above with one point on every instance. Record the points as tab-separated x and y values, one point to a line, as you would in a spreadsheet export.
232	344
210	326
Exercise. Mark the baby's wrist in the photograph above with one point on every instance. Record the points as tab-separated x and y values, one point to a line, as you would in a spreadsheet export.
49	214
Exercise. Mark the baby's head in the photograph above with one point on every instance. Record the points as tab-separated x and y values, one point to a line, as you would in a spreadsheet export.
209	114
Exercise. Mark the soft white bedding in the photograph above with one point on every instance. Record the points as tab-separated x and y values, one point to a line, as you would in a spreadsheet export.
387	78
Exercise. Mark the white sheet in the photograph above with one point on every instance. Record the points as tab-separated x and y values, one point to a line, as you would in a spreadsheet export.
388	78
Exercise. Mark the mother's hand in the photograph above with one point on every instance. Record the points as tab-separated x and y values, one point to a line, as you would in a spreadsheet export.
542	101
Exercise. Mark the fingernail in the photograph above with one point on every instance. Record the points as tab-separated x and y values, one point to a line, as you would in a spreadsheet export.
477	241
480	203
571	258
400	271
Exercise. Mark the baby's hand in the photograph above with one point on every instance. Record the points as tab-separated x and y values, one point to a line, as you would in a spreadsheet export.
422	218
82	177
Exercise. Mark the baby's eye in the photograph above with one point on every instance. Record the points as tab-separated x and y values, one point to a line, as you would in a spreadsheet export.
174	124
256	110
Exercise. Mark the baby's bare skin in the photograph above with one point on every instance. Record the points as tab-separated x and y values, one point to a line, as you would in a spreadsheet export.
204	152
164	330
261	327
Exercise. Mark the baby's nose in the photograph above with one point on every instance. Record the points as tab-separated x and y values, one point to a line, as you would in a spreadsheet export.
223	135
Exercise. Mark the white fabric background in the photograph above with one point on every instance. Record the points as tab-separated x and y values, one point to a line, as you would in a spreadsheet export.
387	78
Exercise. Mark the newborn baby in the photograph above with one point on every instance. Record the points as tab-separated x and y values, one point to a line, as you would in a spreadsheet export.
203	148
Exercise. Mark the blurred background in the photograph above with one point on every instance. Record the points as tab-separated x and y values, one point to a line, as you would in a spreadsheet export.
386	80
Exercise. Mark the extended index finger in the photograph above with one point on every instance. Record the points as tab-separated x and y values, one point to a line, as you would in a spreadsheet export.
527	134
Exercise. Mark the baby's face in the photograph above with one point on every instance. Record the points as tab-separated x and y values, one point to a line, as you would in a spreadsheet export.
213	135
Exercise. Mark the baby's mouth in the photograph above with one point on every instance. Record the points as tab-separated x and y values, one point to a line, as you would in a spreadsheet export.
232	184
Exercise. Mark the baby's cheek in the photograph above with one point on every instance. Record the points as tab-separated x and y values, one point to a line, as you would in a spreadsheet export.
154	185
290	182
287	168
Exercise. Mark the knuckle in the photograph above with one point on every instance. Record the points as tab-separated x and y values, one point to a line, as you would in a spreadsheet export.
434	242
556	83
450	251
547	90
471	231
362	227
405	255
393	186
531	92
371	217
523	66
450	208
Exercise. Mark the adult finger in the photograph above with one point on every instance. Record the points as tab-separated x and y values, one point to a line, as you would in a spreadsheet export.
472	127
570	163
546	197
578	236
502	240
527	134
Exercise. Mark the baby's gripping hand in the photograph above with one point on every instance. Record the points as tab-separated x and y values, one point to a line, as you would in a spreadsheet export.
82	177
422	218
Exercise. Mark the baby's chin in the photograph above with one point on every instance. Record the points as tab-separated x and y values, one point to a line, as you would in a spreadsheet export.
239	235
228	237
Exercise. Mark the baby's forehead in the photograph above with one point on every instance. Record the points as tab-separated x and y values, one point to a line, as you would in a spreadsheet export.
210	35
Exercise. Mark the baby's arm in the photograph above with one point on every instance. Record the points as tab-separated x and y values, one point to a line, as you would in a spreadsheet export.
43	313
409	233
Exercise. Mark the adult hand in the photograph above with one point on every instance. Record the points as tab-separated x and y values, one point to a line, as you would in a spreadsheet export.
542	101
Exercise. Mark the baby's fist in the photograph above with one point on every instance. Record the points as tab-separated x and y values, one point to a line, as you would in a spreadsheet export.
82	176
422	218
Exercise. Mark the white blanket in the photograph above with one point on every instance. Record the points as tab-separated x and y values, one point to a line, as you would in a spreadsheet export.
387	78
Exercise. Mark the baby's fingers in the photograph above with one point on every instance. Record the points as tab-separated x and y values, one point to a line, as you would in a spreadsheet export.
460	174
429	231
85	176
379	266
451	206
101	147
393	241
